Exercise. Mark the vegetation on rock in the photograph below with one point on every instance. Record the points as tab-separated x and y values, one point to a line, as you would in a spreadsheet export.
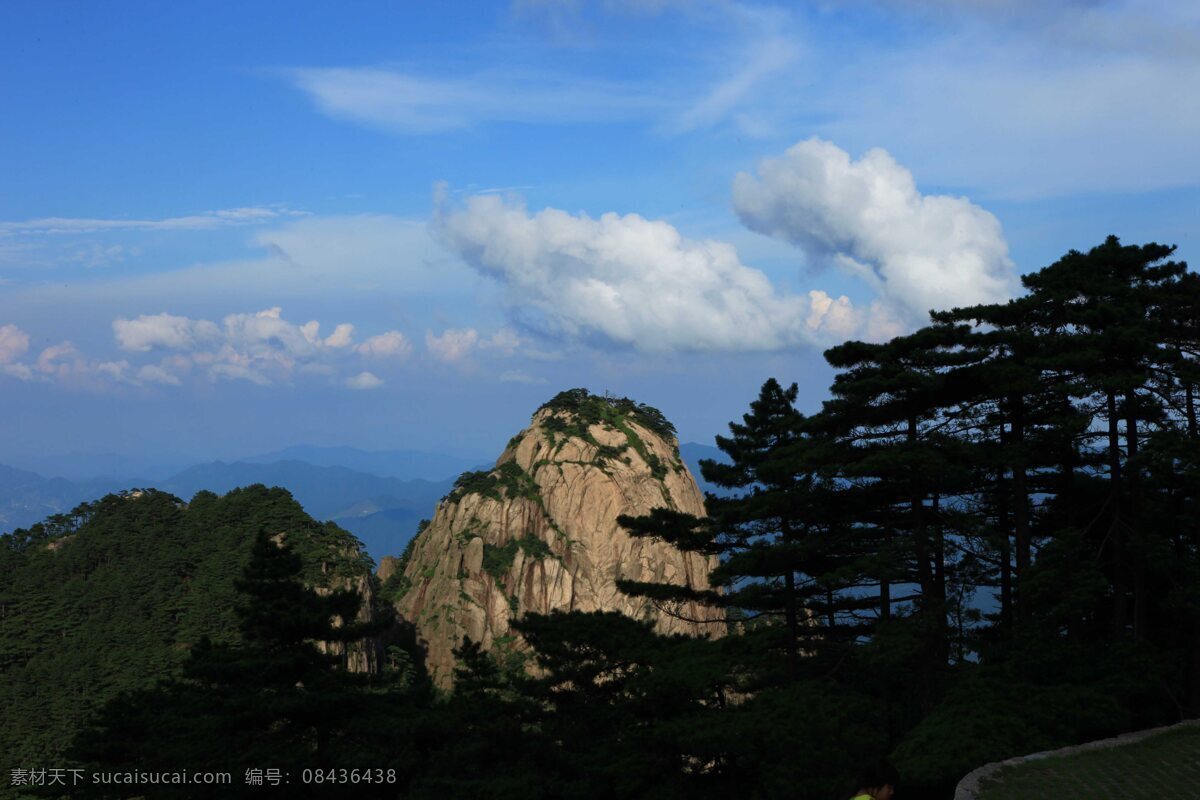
498	559
590	409
505	481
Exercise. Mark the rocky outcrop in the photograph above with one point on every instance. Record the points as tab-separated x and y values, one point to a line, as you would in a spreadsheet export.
362	656
539	532
335	563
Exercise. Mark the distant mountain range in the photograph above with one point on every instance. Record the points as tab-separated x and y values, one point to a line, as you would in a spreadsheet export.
26	497
381	511
403	464
118	467
379	496
406	465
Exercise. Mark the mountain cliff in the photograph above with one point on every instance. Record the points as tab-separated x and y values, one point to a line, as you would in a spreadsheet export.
539	532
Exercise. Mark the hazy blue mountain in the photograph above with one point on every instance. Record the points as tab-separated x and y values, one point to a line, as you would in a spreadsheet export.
386	532
130	470
385	511
325	492
403	464
27	498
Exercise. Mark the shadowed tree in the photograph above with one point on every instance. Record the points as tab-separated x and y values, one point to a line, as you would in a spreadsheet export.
274	700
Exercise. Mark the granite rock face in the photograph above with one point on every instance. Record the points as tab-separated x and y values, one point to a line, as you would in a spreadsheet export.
539	532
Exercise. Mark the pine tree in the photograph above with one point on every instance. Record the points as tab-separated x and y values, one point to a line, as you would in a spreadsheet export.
783	556
900	466
273	701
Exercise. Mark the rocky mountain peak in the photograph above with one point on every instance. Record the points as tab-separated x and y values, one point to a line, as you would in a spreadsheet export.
539	532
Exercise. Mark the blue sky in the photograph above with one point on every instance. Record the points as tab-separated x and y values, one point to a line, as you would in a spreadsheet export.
479	205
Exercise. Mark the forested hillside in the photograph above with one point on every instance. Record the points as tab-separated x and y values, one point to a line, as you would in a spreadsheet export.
1036	459
113	596
381	511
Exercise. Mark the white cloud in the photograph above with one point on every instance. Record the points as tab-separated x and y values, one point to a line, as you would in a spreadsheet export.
358	253
711	83
392	344
115	371
518	376
1057	99
1018	99
364	380
13	343
920	252
152	373
164	330
410	103
453	344
262	347
96	254
765	59
1051	99
205	221
304	257
342	336
265	334
504	341
60	361
629	280
63	364
237	371
19	371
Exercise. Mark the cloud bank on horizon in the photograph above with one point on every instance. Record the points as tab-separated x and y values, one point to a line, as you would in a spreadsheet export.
260	348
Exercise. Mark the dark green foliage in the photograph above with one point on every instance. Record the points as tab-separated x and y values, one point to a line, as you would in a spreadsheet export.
114	596
591	409
398	583
633	714
273	698
485	740
997	712
781	550
1043	449
506	480
498	559
534	547
395	587
804	740
581	410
